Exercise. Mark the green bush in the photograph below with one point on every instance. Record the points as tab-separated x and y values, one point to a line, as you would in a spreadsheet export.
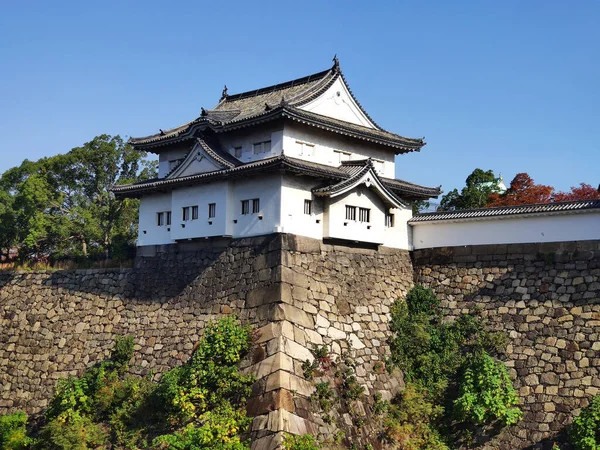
13	432
211	377
216	430
434	356
122	352
421	300
486	393
199	404
410	423
303	442
584	432
72	431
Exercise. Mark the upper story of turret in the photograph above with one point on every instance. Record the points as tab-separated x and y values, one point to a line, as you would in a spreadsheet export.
314	118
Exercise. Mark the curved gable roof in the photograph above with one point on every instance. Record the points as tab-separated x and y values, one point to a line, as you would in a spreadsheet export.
281	100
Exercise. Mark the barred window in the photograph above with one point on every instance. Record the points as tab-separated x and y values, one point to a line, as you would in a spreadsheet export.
245	207
255	205
364	214
212	210
168	217
306	149
308	207
350	212
185	213
389	220
261	147
341	156
160	219
195	212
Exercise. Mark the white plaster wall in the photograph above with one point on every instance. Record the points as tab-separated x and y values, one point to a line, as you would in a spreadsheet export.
340	228
165	157
245	138
337	102
268	190
550	228
149	233
326	143
399	236
293	220
201	195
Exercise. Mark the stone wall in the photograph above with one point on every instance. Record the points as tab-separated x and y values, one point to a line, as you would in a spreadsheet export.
55	324
295	291
330	295
547	298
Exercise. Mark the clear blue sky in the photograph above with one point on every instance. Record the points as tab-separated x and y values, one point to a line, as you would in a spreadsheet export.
512	86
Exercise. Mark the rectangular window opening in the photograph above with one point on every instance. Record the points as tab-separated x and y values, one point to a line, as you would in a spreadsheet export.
245	207
185	213
341	156
389	220
364	215
160	219
308	207
350	212
212	210
255	206
195	212
168	217
306	149
261	147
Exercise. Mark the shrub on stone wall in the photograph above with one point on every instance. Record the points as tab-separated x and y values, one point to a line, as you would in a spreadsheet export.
13	432
584	433
302	442
437	359
200	404
486	393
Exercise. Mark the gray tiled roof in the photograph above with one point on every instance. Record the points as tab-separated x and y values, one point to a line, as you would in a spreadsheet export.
357	170
273	164
504	211
279	101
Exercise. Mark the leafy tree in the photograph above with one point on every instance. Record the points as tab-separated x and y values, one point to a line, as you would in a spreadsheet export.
522	191
420	206
583	192
479	185
62	205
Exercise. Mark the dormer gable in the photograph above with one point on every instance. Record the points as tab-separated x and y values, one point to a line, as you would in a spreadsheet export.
203	158
337	102
361	172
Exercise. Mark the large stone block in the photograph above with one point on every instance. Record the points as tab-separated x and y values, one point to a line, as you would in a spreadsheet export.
271	364
273	293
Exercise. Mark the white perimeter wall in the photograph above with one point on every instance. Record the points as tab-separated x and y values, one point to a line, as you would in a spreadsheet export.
548	228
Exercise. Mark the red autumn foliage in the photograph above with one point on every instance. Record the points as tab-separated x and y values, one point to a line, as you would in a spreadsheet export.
583	192
522	191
